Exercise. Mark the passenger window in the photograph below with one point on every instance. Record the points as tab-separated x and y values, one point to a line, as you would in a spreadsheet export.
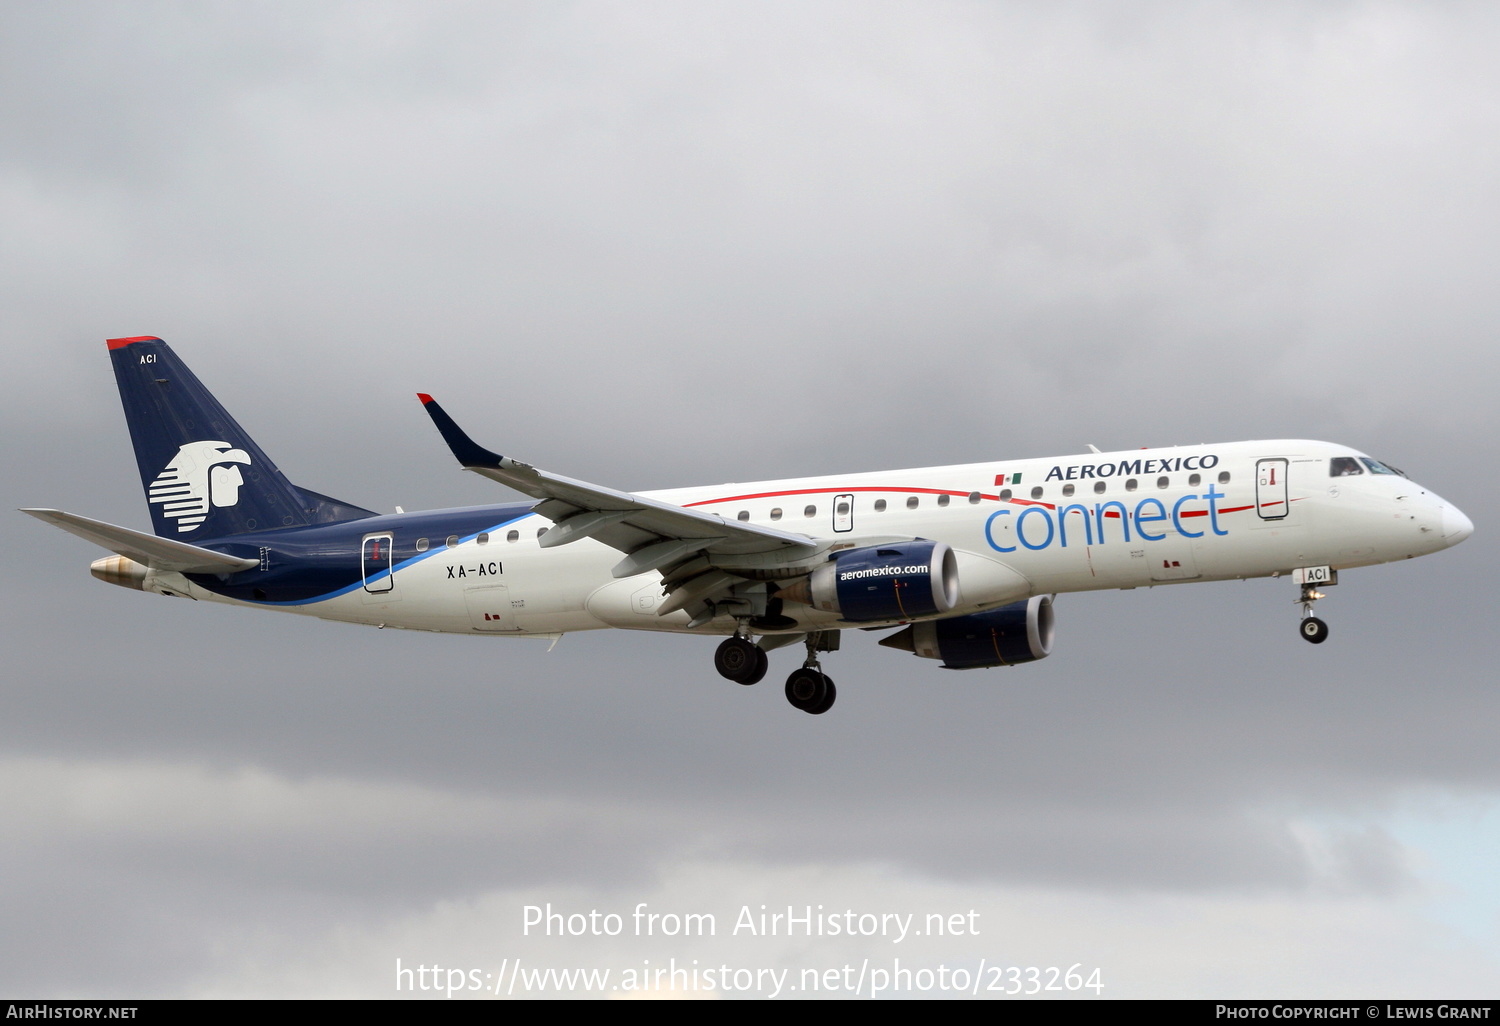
911	502
1130	485
511	536
1098	487
776	513
842	509
810	511
943	500
879	505
744	515
1036	493
452	541
541	531
973	497
1344	466
421	544
1223	477
1162	482
1005	494
1067	491
483	538
1194	479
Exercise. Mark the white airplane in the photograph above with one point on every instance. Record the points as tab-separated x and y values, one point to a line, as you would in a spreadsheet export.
966	559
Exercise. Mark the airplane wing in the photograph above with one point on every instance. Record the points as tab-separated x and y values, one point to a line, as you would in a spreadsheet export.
687	545
146	549
619	519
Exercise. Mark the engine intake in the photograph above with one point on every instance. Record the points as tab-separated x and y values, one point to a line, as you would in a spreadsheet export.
1018	633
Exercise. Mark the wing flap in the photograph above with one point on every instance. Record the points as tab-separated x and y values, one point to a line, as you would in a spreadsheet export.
584	524
702	588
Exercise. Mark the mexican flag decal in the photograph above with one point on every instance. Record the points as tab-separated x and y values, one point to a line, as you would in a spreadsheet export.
1005	479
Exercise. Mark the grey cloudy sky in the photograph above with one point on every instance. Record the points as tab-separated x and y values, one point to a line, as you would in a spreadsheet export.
662	244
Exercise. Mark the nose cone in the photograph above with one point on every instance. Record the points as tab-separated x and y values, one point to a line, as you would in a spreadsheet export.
1456	526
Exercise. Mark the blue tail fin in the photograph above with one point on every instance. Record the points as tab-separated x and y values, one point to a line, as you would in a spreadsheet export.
204	476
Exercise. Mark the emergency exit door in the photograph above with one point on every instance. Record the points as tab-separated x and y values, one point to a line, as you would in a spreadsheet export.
843	513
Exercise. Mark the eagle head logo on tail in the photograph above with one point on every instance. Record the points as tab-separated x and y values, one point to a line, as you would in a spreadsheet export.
199	477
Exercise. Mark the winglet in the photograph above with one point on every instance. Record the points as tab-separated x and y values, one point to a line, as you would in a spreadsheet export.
468	452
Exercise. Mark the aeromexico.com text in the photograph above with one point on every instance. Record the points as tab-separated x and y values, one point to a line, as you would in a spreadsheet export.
882	571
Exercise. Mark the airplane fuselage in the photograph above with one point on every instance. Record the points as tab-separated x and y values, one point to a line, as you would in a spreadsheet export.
1019	527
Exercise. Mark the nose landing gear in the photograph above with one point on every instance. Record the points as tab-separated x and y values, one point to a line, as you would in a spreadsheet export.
1311	628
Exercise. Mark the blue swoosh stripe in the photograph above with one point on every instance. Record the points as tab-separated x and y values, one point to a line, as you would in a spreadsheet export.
361	585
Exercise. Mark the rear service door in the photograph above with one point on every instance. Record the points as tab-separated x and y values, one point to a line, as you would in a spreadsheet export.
375	560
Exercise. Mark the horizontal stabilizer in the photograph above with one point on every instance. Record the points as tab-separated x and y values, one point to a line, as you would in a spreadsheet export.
146	549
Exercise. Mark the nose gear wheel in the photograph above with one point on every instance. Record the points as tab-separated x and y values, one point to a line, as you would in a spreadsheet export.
1314	630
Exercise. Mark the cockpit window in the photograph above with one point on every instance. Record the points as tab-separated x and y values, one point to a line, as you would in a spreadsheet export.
1376	467
1344	466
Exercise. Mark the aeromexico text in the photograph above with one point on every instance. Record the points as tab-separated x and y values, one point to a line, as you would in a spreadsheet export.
1124	468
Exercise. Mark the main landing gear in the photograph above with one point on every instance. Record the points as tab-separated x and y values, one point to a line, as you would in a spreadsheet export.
808	688
811	690
741	660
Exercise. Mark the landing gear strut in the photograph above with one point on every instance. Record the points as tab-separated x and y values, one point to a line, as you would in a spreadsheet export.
741	660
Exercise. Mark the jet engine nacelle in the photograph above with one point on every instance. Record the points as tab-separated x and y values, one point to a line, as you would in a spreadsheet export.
895	581
1018	633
